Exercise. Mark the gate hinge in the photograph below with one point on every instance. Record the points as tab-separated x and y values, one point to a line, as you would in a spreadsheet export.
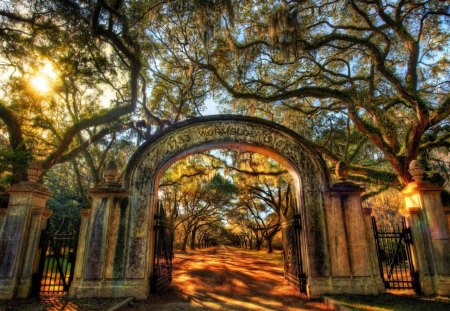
297	224
157	222
43	238
407	236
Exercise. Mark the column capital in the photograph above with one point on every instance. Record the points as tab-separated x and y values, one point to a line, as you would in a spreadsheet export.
85	212
345	188
414	192
417	187
107	190
409	211
30	187
45	212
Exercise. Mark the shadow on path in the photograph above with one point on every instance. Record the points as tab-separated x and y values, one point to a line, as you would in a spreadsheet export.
226	278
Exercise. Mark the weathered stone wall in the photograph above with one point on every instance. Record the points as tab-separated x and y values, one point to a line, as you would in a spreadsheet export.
101	254
431	239
354	266
119	241
20	232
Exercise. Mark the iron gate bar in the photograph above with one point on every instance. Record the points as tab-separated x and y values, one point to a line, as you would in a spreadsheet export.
293	267
393	245
162	268
56	264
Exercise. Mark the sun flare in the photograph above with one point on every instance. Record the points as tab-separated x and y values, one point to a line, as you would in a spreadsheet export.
41	83
43	79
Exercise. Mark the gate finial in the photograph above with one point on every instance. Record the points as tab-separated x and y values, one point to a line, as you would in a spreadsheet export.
416	170
111	172
34	171
341	171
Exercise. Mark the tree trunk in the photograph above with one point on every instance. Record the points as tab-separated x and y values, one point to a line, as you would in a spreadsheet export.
269	245
258	243
185	241
193	234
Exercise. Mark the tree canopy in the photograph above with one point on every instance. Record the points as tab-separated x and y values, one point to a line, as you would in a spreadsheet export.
366	82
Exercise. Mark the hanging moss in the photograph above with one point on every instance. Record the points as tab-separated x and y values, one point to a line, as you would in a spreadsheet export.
207	14
285	31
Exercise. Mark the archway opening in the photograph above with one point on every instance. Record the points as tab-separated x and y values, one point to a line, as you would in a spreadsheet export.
249	134
234	219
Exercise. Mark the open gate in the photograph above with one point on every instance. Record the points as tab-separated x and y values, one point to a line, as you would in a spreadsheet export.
395	261
293	267
56	263
162	268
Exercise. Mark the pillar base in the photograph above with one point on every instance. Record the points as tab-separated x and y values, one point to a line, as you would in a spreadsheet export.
8	289
24	289
139	289
435	285
361	285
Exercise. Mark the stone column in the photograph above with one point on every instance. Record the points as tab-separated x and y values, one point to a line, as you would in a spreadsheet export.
81	249
351	241
431	243
447	216
26	217
100	262
3	212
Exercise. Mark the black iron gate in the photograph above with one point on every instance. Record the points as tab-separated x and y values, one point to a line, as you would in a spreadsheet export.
162	268
56	263
293	267
394	244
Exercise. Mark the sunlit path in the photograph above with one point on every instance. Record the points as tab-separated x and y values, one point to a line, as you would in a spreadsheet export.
225	278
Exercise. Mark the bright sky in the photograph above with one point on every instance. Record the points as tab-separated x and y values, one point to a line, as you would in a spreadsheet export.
211	108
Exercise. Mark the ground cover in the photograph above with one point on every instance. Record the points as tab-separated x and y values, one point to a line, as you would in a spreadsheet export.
58	304
393	302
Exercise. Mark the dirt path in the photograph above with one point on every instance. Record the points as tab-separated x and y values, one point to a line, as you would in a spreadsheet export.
223	278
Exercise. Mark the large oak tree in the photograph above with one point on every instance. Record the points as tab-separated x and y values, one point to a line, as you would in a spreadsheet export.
365	81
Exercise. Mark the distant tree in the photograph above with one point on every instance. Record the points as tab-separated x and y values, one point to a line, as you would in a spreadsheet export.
196	196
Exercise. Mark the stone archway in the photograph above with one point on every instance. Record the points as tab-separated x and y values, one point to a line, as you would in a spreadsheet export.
115	251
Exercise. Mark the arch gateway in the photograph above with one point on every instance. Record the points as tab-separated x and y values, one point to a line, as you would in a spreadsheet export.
118	256
117	252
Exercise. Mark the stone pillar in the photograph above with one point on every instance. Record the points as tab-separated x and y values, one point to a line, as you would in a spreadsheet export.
447	216
3	212
100	262
26	217
81	250
431	243
354	268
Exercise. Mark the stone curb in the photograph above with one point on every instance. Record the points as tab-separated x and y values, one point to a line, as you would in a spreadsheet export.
335	304
121	304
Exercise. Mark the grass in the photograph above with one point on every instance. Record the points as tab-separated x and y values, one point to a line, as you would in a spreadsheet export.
393	302
51	265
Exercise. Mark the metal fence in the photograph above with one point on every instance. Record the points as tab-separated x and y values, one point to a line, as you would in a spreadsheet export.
57	263
394	244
